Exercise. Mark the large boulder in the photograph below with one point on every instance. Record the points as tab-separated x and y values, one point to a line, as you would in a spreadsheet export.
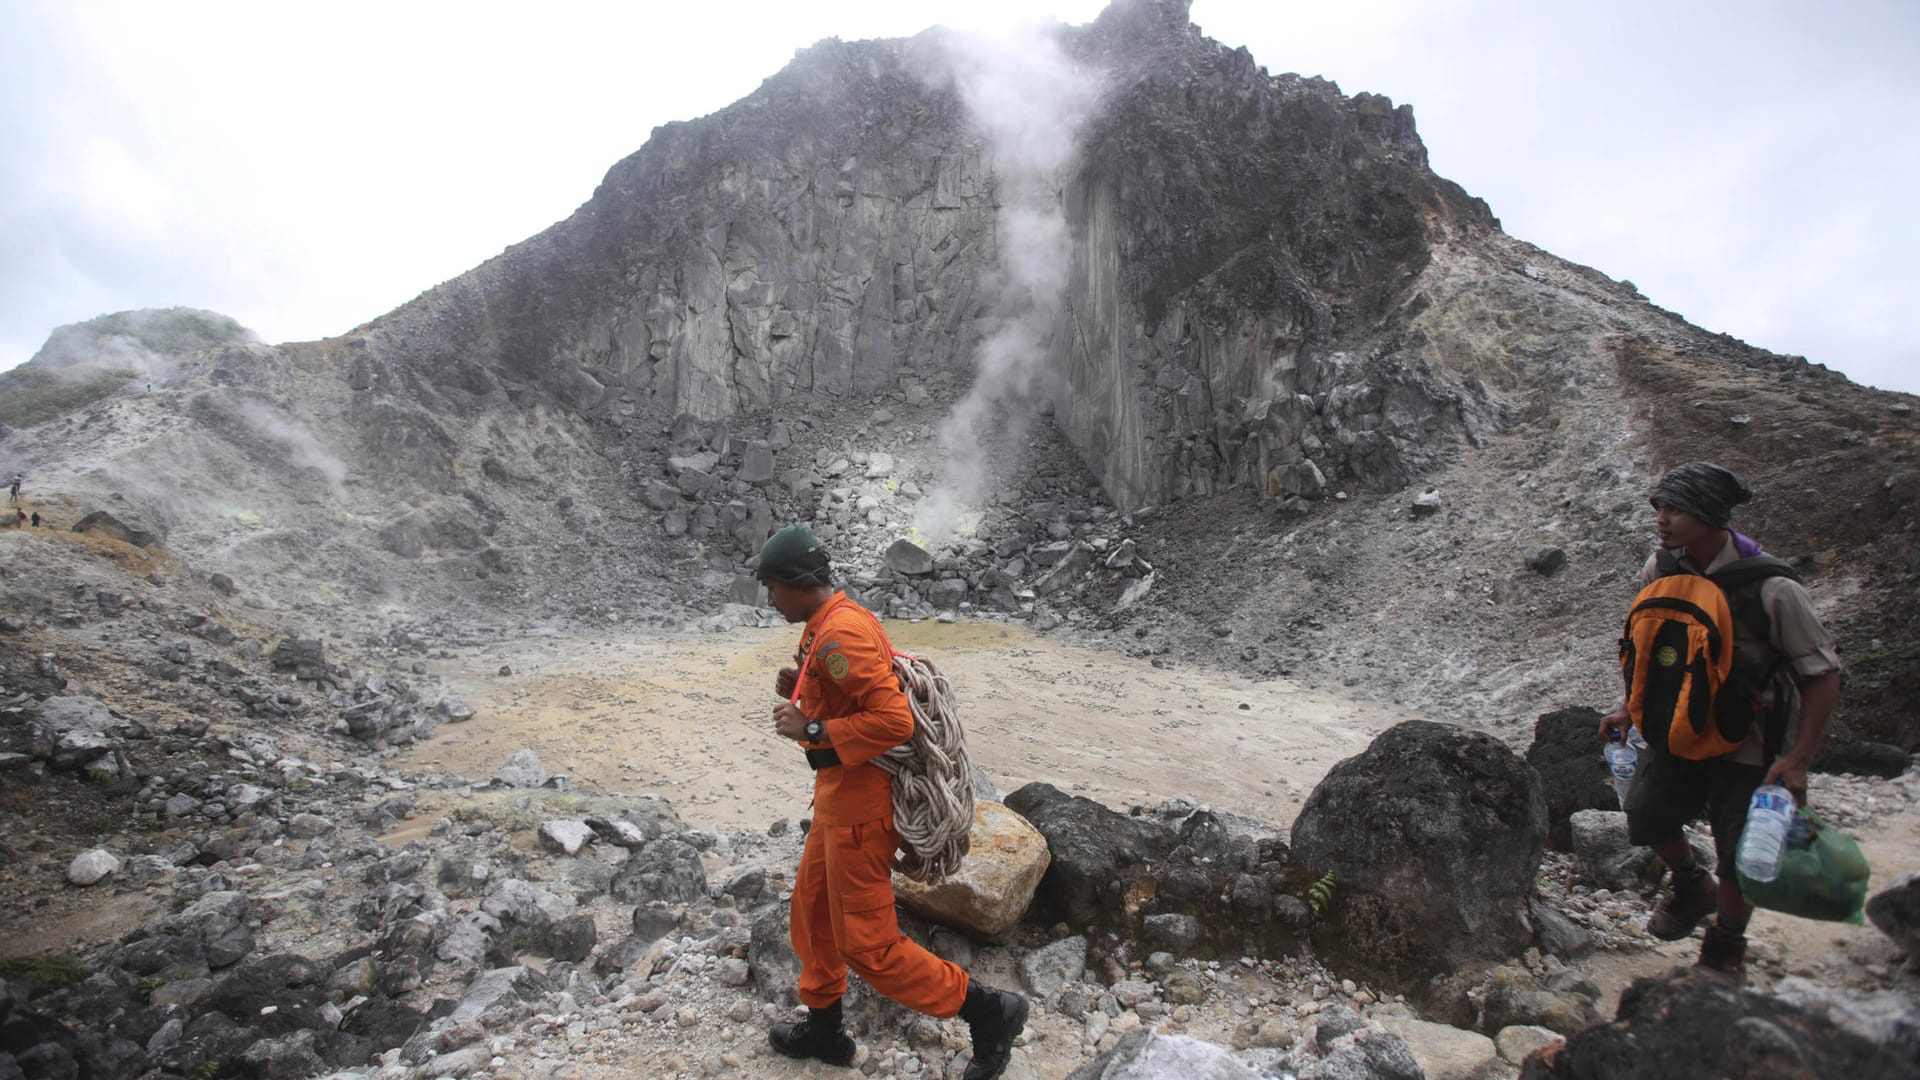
1697	1028
1566	754
990	891
1434	836
1094	853
99	521
1896	911
71	732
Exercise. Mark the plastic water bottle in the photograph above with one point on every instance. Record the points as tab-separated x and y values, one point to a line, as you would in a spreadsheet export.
1769	819
1623	760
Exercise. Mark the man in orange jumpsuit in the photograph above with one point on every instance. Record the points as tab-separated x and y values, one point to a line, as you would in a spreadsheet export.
844	705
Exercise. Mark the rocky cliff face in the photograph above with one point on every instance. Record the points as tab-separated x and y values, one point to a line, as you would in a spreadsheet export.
1242	251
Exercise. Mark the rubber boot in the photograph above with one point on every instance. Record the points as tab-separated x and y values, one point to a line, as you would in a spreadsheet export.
818	1036
995	1018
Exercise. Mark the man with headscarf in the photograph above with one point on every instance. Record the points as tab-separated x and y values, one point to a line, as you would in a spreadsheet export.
843	704
1693	514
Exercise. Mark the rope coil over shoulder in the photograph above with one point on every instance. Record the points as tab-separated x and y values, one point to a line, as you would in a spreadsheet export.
932	776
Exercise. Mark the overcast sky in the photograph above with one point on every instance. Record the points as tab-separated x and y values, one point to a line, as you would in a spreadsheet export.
304	167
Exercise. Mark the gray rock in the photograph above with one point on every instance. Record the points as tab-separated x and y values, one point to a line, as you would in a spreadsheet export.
666	870
1556	933
469	940
498	986
1175	933
1517	1042
526	906
92	867
756	464
1046	969
906	557
72	731
1895	910
1546	561
621	832
522	770
1695	1026
453	710
1603	857
289	1057
566	836
458	1063
1065	573
1144	1054
660	495
306	826
571	938
747	884
776	971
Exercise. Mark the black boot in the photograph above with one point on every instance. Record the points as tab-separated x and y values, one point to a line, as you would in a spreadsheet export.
996	1018
818	1036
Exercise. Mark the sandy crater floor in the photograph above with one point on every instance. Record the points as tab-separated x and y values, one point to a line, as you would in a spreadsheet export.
689	718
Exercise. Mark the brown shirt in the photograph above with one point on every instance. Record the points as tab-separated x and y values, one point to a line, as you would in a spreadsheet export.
1797	637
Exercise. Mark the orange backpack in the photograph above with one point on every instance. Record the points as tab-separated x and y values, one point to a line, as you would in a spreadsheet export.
1685	691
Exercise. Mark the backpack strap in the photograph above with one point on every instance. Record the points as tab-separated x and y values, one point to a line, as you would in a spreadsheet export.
1742	580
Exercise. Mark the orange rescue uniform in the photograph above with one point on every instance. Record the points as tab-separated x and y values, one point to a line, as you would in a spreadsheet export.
842	915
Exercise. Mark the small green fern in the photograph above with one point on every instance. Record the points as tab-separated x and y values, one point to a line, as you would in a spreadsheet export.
1320	894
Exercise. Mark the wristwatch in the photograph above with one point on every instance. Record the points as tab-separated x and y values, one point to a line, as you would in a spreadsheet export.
815	731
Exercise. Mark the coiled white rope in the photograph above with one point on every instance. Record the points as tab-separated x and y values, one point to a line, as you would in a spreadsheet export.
932	777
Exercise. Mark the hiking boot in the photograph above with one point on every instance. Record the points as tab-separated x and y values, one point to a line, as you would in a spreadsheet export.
995	1018
818	1036
1692	897
1723	955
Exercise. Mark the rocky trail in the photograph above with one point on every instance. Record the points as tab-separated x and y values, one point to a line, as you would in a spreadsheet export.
436	887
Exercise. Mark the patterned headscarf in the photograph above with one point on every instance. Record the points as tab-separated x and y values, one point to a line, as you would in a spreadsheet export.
1702	489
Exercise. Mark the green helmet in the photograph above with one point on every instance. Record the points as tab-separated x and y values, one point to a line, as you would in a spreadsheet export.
796	556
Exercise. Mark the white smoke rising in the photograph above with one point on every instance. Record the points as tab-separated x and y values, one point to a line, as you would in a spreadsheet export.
304	450
1028	99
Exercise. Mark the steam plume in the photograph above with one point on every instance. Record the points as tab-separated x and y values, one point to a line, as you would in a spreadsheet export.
304	450
1029	100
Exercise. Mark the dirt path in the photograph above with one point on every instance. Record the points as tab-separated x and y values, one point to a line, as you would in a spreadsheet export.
687	717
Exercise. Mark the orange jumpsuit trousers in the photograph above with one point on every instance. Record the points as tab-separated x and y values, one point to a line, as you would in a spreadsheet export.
842	915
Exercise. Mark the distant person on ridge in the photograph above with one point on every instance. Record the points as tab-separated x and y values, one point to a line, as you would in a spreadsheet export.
1781	651
13	493
36	519
844	705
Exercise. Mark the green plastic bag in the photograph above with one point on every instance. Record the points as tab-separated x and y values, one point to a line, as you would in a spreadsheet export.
1826	880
